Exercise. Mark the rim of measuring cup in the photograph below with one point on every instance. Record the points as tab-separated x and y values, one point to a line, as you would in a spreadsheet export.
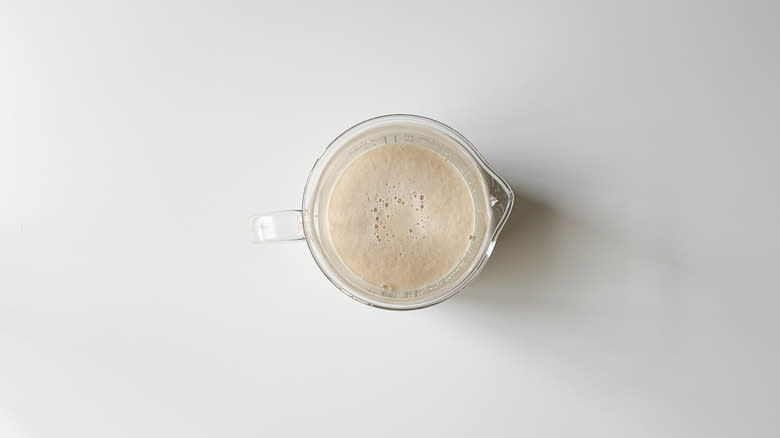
316	171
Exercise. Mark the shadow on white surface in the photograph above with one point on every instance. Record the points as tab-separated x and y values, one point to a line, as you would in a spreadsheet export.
599	309
544	247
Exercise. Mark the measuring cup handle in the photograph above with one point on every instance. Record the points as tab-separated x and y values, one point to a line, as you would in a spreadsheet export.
277	226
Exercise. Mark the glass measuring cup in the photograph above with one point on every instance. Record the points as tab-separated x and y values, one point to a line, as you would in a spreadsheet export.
491	195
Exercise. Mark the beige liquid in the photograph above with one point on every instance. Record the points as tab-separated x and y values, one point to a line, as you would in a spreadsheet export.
401	217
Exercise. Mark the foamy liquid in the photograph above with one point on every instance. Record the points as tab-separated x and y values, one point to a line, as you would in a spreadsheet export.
400	217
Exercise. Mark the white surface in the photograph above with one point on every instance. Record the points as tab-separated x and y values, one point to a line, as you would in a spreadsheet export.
634	293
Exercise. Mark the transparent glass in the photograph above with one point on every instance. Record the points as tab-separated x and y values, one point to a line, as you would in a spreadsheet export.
492	196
